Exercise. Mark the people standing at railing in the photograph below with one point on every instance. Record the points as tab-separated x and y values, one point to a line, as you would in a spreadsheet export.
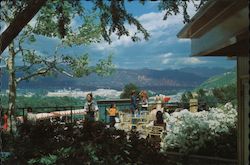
144	100
133	102
90	108
112	112
133	105
31	117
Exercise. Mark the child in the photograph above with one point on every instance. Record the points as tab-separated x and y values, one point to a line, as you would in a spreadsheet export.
112	112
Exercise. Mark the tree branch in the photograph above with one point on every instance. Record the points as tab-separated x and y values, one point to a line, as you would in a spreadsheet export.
25	68
41	71
4	59
19	22
64	72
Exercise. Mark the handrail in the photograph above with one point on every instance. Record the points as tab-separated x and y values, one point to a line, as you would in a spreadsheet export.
119	101
122	104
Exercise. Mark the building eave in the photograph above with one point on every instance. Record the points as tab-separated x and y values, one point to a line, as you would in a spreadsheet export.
209	16
220	28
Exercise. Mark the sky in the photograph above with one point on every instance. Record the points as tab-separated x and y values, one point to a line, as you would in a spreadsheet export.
162	51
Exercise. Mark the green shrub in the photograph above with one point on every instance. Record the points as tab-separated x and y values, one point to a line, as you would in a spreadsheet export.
90	143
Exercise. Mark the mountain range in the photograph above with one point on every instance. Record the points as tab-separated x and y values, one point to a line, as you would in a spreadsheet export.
185	78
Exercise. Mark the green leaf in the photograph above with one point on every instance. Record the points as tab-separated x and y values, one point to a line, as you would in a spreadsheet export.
32	38
48	160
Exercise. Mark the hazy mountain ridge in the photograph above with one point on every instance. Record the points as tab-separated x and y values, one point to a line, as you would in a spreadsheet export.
204	71
144	78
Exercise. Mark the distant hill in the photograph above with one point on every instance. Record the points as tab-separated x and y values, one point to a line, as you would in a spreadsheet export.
220	80
186	78
204	71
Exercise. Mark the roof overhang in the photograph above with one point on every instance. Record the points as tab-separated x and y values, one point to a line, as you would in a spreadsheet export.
219	28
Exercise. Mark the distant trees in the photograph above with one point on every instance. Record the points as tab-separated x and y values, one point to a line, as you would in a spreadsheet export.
185	97
126	93
212	97
226	94
42	101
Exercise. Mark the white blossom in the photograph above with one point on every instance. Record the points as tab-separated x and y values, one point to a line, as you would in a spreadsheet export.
189	131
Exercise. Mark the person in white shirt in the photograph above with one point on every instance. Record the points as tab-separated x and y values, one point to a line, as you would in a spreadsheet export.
90	108
31	117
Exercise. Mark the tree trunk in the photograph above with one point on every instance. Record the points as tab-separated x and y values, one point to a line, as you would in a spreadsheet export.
19	22
12	86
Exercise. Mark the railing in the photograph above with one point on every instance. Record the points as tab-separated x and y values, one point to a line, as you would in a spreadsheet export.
37	110
121	104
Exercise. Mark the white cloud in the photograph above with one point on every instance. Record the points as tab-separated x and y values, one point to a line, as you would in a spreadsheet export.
166	55
166	58
174	61
153	22
166	61
192	60
123	42
157	27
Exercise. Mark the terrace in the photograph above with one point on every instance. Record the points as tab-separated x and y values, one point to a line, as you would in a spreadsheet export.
59	134
139	123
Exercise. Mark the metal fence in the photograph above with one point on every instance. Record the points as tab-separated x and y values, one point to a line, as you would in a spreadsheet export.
121	104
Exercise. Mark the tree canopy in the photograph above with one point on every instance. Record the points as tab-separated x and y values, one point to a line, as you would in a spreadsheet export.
126	93
33	64
59	14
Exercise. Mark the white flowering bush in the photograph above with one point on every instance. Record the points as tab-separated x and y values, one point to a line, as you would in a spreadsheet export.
188	132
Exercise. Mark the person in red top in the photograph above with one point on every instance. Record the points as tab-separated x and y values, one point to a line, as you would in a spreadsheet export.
5	119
